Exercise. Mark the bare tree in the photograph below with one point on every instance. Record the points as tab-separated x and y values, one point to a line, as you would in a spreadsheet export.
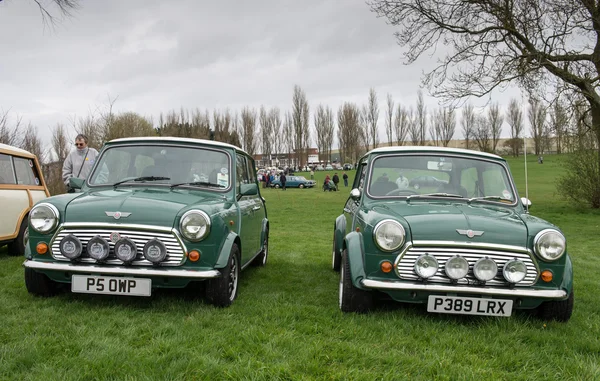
537	122
248	130
329	132
515	120
495	119
276	138
559	121
482	134
324	125
414	132
128	124
402	124
421	117
300	119
435	127
448	126
373	117
266	130
364	132
289	136
9	135
33	143
493	43
389	121
468	123
60	143
348	132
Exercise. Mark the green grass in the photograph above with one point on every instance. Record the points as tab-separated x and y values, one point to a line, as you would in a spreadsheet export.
286	324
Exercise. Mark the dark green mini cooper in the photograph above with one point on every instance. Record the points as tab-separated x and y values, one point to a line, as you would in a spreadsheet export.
154	213
462	244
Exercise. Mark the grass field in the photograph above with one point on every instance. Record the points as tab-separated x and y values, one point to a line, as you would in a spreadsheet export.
286	324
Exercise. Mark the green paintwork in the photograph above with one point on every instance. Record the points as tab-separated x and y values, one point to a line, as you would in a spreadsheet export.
430	219
238	215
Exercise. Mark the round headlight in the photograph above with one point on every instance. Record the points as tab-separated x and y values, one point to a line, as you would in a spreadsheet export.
98	248
44	218
549	244
426	266
195	225
155	251
456	267
389	235
125	250
514	271
485	269
71	247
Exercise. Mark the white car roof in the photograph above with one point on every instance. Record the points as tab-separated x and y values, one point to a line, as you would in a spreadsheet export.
178	140
393	149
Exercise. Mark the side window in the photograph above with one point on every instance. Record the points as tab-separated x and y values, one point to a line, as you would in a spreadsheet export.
251	171
241	172
361	171
6	170
24	169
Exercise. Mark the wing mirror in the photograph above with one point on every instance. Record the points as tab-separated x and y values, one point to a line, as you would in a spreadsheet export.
248	189
526	203
355	194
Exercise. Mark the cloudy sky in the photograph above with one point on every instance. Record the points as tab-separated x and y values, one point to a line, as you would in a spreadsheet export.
162	55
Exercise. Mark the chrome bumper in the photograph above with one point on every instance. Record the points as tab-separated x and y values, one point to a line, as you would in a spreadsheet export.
402	286
118	270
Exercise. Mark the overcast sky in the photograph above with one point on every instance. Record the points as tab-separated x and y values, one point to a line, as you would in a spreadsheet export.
162	55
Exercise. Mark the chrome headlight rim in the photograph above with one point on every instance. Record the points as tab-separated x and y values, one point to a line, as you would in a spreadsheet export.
98	240
417	270
379	226
184	231
456	258
54	211
538	239
506	274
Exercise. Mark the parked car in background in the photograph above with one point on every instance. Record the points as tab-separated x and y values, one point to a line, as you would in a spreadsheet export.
294	182
319	167
329	167
468	247
21	185
143	221
348	167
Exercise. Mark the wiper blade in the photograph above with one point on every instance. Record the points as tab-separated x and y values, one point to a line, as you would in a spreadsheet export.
199	183
141	179
435	195
491	198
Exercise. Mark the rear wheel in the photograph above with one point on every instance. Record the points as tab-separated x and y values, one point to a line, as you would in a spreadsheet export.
276	185
352	299
40	284
301	186
222	291
559	310
17	247
261	259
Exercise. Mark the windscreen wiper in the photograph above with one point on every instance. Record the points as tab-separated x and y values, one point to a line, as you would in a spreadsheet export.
490	198
141	179
434	195
199	183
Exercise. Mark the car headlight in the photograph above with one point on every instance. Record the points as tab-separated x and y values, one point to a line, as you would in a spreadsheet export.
549	244
155	251
98	248
514	271
426	266
485	269
195	225
44	218
456	267
126	250
389	235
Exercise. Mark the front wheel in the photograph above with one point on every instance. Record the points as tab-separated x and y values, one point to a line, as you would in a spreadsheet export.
352	299
39	284
301	186
17	247
222	291
559	310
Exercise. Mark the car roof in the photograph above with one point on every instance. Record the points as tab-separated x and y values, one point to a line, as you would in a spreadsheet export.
172	139
5	148
428	149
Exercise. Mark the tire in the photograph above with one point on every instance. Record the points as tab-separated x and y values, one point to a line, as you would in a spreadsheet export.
277	186
261	259
17	247
352	299
222	291
39	284
559	310
336	258
301	186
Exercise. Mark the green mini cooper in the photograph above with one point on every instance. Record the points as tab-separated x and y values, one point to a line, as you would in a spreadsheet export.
446	228
154	213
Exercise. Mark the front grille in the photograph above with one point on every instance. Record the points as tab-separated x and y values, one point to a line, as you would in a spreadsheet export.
406	261
175	251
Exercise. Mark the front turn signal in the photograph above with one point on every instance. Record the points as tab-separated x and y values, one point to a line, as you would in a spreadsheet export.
547	276
386	266
194	255
41	248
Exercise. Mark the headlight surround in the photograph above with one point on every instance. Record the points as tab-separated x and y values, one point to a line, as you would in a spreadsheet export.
549	244
195	225
389	235
44	218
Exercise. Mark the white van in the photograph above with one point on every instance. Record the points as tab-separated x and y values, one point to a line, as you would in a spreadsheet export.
21	186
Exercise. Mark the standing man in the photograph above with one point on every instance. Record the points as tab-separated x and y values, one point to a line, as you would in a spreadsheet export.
79	163
336	180
312	174
345	177
283	180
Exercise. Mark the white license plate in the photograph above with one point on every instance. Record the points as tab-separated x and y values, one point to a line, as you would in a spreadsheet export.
469	306
92	284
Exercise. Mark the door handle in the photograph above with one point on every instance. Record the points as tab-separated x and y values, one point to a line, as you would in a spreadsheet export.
255	208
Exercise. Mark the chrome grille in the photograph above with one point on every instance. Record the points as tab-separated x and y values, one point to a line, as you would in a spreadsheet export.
406	261
175	250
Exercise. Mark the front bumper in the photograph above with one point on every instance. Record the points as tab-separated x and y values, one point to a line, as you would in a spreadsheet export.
121	270
435	288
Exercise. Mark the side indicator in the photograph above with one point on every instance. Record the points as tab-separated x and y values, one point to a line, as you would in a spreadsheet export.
386	266
41	248
546	276
194	255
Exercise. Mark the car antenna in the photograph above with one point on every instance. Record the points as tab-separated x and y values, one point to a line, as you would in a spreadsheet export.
526	189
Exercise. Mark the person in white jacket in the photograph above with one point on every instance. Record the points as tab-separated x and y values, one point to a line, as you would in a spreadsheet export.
80	161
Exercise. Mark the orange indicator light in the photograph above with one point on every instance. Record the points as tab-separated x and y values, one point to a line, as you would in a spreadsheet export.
547	276
231	222
41	248
386	266
194	255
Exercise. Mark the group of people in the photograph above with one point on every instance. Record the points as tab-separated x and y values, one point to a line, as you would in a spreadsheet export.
335	180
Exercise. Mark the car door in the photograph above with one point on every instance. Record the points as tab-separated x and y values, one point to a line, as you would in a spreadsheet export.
250	207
